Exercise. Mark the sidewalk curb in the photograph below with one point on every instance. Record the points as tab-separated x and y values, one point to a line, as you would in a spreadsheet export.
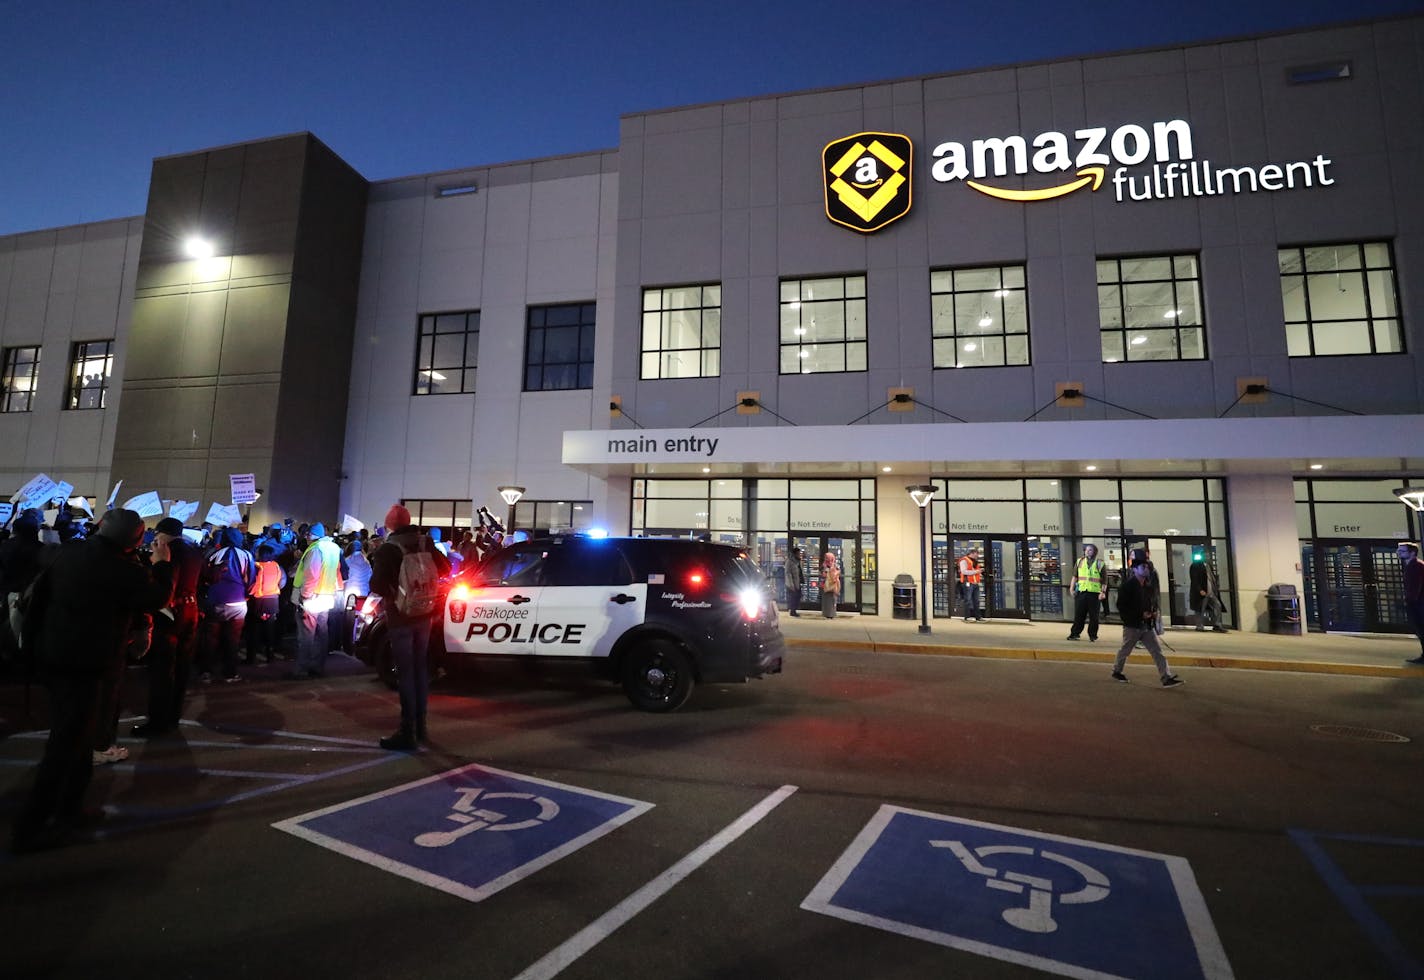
1088	656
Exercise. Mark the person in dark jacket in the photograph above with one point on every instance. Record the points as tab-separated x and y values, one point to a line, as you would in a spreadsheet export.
175	632
1413	570
409	636
78	622
1204	599
19	564
795	579
1136	606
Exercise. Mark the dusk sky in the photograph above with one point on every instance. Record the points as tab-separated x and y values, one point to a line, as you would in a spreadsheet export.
93	91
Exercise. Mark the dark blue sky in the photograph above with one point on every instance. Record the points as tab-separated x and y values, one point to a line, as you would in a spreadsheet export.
91	92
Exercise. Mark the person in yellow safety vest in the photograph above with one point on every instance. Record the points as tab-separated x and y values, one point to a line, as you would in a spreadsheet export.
1087	585
970	575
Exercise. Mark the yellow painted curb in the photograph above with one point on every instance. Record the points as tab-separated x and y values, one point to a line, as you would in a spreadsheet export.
1105	657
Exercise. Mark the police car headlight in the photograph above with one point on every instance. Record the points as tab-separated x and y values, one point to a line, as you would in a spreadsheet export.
750	600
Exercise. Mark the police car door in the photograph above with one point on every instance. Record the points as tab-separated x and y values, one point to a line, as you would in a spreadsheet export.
495	612
589	600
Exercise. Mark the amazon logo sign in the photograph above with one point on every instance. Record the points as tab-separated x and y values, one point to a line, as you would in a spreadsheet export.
867	176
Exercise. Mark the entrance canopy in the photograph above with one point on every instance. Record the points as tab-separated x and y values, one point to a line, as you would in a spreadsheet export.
1339	444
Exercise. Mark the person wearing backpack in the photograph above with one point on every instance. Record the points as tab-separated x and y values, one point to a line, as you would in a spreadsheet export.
405	573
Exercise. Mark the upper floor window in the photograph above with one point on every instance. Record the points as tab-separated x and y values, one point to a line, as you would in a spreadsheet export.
558	347
17	382
1340	299
979	316
682	332
823	325
90	365
1149	309
447	353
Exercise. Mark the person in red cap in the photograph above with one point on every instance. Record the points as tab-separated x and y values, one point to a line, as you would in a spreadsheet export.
407	628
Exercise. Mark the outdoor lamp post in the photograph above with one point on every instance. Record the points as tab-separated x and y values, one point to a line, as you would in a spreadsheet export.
1411	497
922	494
511	497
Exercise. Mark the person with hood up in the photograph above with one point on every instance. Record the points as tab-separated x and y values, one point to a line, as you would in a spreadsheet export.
229	573
315	586
78	622
409	635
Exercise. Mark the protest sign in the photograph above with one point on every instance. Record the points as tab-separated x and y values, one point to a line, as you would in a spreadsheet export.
184	509
244	488
224	515
145	504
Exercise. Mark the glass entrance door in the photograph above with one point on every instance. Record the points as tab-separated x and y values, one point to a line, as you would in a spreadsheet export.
1177	589
845	545
1358	587
1004	565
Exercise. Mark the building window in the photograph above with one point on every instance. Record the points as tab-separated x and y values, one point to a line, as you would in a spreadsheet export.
450	517
90	365
1340	299
447	353
1149	309
682	332
558	350
979	317
550	516
17	383
823	325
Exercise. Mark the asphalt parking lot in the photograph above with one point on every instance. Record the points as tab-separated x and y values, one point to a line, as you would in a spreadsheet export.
866	813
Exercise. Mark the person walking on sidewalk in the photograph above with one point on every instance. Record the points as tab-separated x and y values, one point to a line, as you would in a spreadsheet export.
1413	593
1087	585
1138	613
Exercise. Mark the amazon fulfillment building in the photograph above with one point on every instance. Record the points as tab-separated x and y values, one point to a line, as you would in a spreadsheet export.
1169	298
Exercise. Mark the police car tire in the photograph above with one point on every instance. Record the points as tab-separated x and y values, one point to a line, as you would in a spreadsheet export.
657	675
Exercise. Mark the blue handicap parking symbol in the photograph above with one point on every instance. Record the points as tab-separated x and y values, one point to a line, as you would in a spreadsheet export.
470	831
1072	907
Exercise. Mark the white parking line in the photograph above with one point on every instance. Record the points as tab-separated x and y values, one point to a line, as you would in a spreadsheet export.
581	942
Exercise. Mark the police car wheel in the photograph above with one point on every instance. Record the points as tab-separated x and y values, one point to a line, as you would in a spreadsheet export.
657	676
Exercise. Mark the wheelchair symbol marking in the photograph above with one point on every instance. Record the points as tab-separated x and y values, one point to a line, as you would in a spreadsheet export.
473	818
1038	917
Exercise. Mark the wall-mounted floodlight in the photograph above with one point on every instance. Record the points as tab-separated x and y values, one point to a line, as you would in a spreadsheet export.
1411	497
196	247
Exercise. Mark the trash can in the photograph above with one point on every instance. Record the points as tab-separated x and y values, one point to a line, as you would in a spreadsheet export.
1283	609
903	597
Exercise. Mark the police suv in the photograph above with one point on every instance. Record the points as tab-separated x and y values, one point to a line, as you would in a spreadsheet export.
658	614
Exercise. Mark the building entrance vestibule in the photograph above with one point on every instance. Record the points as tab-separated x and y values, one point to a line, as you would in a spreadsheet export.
1003	567
1354	586
1172	558
845	545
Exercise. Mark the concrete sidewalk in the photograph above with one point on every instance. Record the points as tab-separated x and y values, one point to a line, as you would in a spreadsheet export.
1364	654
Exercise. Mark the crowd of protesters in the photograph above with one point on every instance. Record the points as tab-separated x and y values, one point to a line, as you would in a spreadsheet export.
83	600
